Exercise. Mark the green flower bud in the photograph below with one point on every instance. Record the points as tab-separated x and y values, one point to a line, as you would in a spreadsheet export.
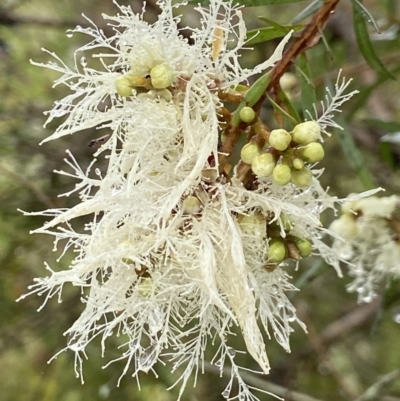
263	165
191	205
161	76
298	164
247	114
303	245
276	252
302	178
281	174
306	132
249	152
313	152
279	139
123	86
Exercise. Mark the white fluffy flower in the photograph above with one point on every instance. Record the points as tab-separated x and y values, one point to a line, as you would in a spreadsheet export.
174	254
371	232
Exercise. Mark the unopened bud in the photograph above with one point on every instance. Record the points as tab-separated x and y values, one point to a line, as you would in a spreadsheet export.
306	132
313	152
279	139
123	86
288	81
298	163
303	245
191	205
302	178
263	165
161	76
249	152
276	251
281	174
247	114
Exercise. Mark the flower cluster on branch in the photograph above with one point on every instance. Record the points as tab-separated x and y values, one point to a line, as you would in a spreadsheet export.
180	250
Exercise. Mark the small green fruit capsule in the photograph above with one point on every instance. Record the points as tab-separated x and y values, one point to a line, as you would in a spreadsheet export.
263	165
306	132
191	205
247	114
303	245
123	87
302	178
281	174
298	164
276	251
279	139
249	152
161	76
313	152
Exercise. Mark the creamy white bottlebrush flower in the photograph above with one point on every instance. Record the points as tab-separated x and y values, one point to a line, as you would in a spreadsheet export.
371	233
174	255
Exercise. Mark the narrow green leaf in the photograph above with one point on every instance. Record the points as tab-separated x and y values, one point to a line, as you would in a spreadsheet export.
353	154
386	152
308	97
391	7
309	10
365	45
264	34
283	112
388	126
365	14
291	109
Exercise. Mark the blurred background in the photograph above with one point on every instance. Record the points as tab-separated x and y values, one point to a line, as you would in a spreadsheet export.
349	347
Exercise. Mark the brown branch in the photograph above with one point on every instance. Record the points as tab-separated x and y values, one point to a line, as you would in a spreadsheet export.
307	38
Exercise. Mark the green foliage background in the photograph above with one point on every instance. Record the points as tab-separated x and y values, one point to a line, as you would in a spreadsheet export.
348	346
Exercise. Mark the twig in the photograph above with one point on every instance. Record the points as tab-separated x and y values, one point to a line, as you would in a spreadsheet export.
346	324
307	38
375	391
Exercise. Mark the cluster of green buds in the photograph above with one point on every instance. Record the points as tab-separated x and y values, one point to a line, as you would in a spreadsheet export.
285	246
282	245
286	156
160	76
